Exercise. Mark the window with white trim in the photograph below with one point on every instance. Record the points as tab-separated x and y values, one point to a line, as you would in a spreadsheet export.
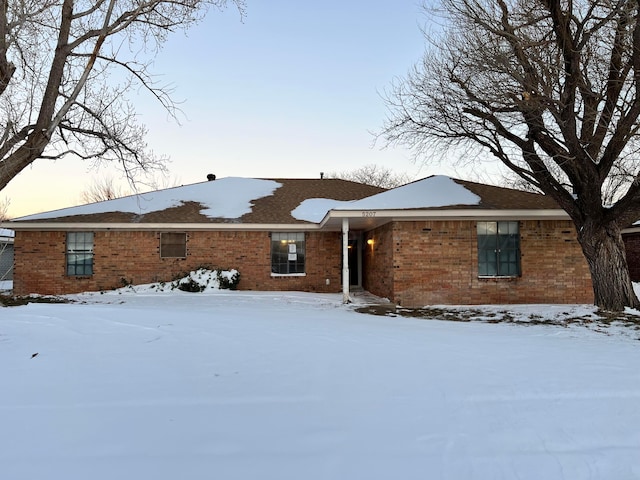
498	249
79	253
287	253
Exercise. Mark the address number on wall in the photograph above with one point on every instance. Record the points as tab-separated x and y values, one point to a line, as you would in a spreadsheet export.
369	214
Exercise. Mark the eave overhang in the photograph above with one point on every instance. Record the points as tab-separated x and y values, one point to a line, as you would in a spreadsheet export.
98	226
332	221
369	219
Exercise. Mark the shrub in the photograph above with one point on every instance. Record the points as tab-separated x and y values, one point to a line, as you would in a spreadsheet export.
190	285
229	279
204	278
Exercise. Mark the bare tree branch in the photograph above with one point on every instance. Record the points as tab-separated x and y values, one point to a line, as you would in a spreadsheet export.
55	60
375	175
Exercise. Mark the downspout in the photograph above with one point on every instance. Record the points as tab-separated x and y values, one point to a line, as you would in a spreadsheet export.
345	260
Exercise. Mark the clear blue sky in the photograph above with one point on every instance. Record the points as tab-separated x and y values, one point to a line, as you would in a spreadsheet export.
292	91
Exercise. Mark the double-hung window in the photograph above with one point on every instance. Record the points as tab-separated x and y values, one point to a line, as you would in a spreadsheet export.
287	253
498	249
79	253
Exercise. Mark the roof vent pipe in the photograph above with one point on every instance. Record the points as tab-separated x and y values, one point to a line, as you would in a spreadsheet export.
211	177
321	175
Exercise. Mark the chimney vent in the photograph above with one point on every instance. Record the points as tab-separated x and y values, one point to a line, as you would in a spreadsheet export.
211	177
321	175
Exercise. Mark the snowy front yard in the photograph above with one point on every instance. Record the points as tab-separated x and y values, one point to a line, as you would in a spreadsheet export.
241	385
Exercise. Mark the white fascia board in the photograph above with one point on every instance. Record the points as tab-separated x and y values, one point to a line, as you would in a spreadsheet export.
463	214
68	226
389	215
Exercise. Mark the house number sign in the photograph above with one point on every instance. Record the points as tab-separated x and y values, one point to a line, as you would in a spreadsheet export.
368	213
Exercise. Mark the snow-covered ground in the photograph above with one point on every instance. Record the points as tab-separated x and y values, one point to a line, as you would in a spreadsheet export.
249	385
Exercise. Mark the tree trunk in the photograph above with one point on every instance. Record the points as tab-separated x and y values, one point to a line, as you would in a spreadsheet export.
605	252
22	157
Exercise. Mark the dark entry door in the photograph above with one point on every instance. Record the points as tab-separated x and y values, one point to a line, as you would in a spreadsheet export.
354	255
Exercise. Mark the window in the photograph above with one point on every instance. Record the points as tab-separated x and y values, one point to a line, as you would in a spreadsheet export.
79	253
173	245
498	249
287	253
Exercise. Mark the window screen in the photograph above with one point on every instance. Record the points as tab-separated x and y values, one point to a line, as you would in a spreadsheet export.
173	245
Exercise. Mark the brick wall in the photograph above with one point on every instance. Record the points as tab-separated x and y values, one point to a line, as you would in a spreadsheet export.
411	263
435	262
133	256
632	246
378	261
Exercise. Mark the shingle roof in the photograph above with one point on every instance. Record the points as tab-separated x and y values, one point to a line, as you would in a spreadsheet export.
500	198
444	193
271	202
270	208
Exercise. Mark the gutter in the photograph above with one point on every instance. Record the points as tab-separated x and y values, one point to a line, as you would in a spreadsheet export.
465	214
96	226
372	217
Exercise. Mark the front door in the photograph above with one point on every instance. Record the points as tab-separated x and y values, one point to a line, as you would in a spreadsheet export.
355	261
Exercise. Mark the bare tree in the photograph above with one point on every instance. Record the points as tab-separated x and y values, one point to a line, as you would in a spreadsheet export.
102	189
551	88
4	208
5	246
65	69
106	188
375	175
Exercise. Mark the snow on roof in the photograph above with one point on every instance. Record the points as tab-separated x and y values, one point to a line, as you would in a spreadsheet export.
232	197
435	191
314	209
224	198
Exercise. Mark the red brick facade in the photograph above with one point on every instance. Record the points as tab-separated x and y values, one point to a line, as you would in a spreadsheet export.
133	257
411	263
435	262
